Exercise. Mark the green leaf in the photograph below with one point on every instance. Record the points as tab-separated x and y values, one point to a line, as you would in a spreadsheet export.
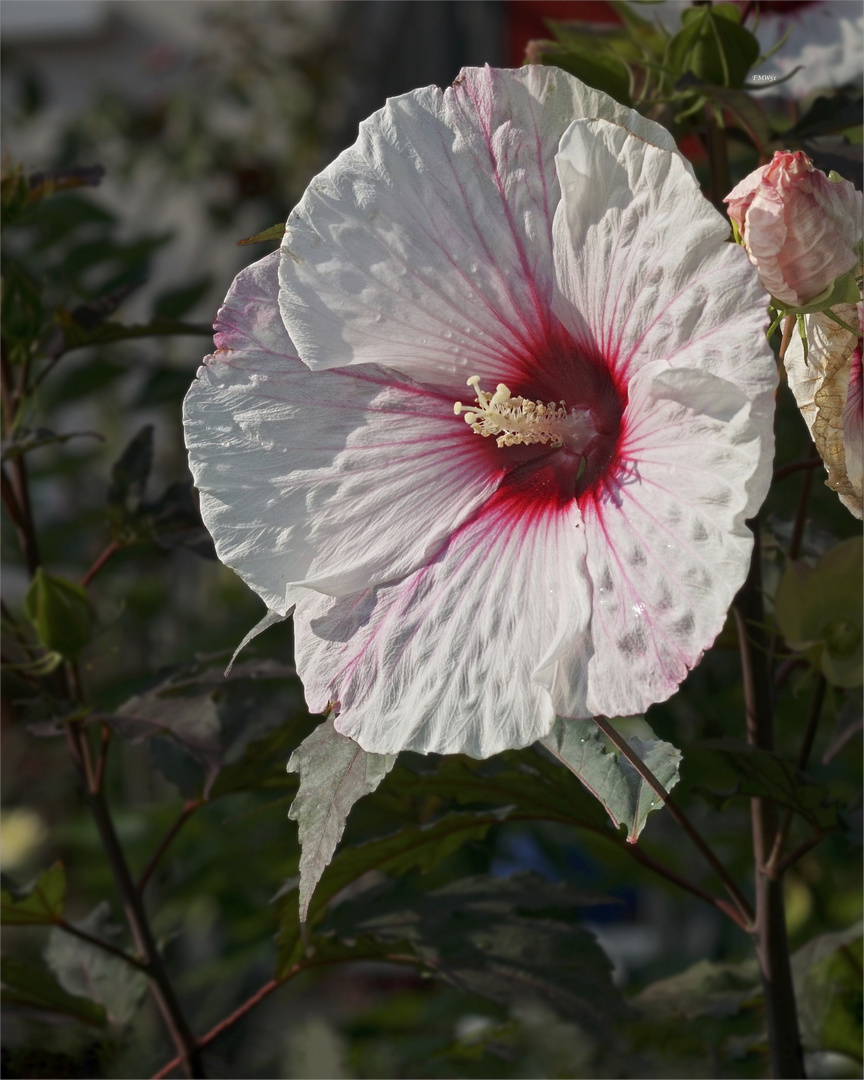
191	723
85	970
129	475
40	903
173	520
818	610
510	940
334	773
262	765
535	786
419	847
827	973
826	116
628	799
706	989
606	73
22	311
60	613
35	989
776	777
713	46
197	723
275	232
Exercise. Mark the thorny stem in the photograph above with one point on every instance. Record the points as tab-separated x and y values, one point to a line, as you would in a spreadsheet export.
190	807
769	930
678	816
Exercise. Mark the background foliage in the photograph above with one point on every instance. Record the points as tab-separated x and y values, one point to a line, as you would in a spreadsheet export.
478	918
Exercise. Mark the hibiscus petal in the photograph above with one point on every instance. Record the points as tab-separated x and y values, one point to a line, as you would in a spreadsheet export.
427	245
461	656
827	388
325	480
643	269
667	544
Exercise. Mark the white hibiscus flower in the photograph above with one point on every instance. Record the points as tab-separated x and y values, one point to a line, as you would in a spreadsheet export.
573	547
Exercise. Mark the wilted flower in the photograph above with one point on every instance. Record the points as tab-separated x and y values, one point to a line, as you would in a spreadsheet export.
826	383
455	591
801	230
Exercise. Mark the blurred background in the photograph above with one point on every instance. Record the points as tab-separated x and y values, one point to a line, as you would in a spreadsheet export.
209	118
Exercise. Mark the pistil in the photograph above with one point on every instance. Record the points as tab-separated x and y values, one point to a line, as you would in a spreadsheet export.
516	421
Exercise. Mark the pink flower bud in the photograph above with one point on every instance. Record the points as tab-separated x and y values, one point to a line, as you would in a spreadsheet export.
800	229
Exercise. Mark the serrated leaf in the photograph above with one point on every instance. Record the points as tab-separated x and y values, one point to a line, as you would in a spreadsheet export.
261	766
510	940
40	903
627	798
130	473
776	777
85	970
35	989
419	847
192	723
334	773
528	782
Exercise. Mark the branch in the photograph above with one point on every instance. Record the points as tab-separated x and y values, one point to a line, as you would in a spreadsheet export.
190	807
136	917
769	930
107	554
274	984
678	816
104	945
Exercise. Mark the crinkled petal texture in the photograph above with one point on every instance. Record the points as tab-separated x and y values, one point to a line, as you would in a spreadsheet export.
644	269
453	595
800	229
462	655
827	387
329	480
427	245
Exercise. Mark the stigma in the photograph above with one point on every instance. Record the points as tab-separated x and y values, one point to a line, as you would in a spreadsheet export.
516	421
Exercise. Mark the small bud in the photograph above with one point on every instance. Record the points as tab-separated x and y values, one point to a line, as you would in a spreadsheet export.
800	228
60	613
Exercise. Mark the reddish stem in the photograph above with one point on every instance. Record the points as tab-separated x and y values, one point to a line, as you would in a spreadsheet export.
106	555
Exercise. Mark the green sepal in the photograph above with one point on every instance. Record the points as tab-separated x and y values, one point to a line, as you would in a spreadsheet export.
60	613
